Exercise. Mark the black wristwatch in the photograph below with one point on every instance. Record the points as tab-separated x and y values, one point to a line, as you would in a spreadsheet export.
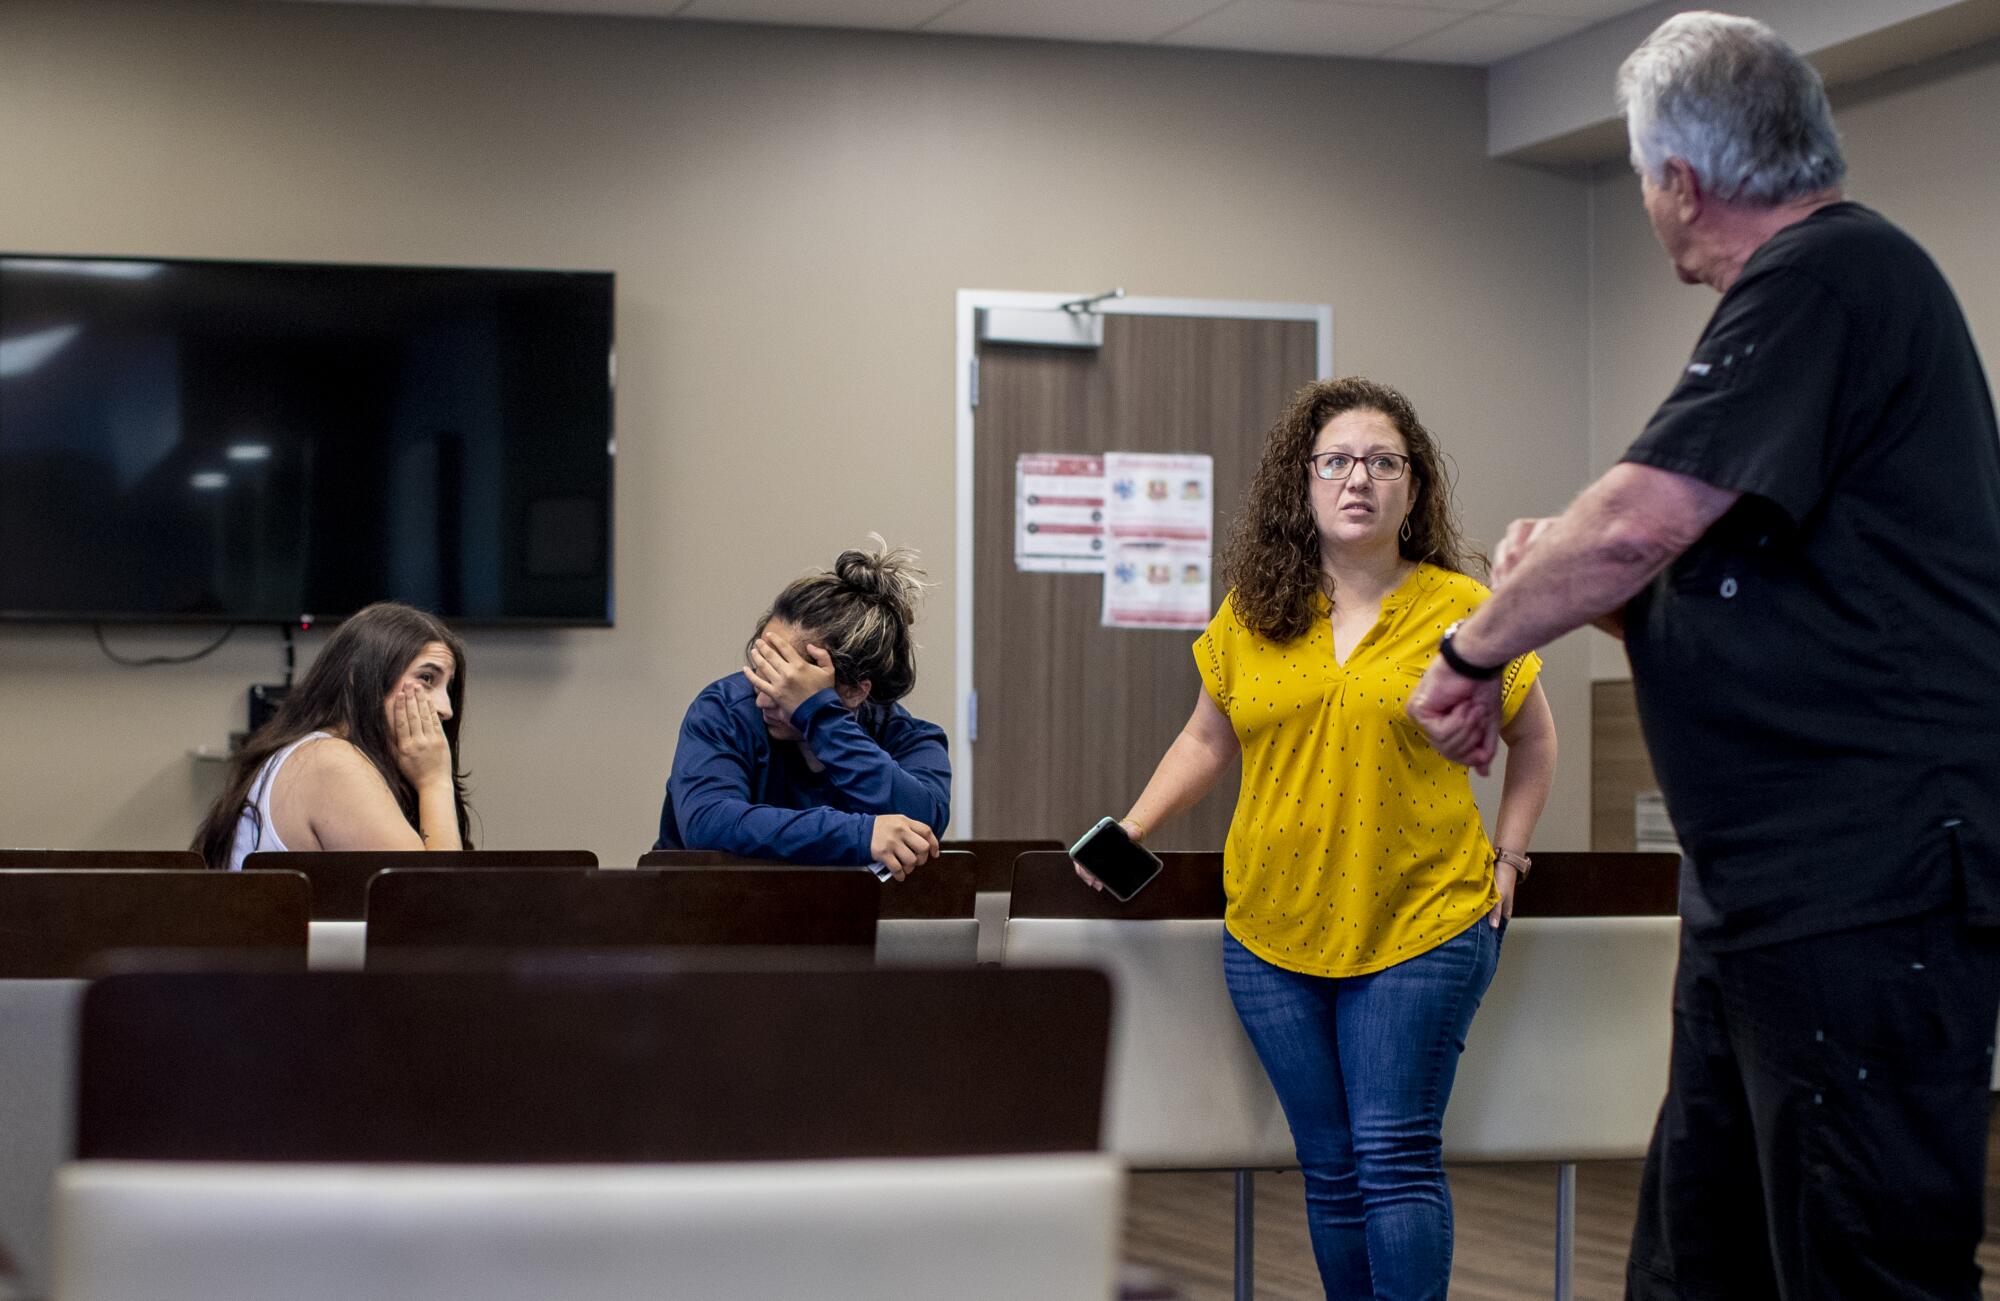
1459	664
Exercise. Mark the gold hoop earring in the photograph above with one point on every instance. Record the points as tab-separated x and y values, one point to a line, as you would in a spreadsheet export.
1405	534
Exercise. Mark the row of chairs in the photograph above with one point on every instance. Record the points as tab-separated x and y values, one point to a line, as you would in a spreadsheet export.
1566	1062
340	879
580	1130
961	901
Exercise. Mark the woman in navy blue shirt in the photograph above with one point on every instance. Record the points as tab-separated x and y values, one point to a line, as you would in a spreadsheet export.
804	755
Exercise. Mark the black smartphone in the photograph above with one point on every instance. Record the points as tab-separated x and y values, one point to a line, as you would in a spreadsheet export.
1114	858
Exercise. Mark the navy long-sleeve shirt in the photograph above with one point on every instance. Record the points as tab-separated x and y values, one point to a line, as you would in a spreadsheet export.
735	789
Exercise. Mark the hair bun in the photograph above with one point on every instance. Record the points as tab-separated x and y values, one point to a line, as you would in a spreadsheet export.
885	574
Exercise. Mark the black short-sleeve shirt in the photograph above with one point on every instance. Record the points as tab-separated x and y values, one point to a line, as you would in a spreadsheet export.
1818	677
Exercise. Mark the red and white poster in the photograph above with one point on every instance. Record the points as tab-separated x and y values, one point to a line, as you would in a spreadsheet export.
1156	585
1151	497
1160	515
1059	509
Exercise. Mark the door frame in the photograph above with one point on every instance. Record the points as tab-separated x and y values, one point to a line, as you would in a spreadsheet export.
969	303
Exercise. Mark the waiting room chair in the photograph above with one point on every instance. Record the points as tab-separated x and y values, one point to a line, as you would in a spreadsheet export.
552	1059
62	923
59	925
925	920
1568	1057
412	912
974	1229
38	1047
340	879
124	860
1187	1091
338	936
995	875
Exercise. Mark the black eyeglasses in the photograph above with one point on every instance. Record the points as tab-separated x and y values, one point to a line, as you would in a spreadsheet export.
1338	465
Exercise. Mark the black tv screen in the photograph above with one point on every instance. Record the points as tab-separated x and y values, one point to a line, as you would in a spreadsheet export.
276	442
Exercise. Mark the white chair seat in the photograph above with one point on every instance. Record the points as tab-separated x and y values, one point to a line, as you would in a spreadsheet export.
998	1227
1186	1088
336	946
38	1046
927	942
904	942
1567	1058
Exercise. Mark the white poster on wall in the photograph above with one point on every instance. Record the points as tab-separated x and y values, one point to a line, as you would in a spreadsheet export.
1059	510
1160	517
1154	497
1151	584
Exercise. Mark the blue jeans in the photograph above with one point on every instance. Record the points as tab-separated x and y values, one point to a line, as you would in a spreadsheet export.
1363	1066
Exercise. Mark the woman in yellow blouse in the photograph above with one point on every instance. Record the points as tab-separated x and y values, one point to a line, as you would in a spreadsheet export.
1357	870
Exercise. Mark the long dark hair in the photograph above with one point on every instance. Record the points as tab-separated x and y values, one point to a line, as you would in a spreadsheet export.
344	690
860	613
1273	559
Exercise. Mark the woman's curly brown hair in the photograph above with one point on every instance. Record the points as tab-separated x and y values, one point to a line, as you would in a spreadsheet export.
1273	560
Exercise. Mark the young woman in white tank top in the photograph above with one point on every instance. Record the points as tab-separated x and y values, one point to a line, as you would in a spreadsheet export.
361	756
255	831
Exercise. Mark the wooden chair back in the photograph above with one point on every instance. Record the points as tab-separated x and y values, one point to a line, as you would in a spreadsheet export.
340	879
502	910
62	923
121	860
580	1063
942	889
1601	885
995	858
1189	886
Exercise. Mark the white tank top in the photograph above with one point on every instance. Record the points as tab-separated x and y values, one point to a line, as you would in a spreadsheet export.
255	832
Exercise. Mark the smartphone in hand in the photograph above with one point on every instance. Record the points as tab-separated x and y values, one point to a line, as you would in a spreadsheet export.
1121	863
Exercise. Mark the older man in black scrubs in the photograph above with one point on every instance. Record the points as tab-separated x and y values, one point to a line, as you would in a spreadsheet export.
1802	553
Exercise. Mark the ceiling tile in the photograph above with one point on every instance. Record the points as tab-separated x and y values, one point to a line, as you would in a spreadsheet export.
1452	6
819	13
1076	20
641	8
1589	11
1312	27
1486	38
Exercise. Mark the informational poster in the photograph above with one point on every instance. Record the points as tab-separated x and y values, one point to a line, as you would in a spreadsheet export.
1150	584
1059	511
1160	517
1160	498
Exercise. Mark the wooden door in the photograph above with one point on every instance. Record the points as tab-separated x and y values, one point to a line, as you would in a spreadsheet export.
1073	716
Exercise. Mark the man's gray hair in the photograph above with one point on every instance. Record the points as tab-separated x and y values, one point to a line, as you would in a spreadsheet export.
1727	96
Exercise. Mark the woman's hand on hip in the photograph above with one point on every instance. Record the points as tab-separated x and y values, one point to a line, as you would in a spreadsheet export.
778	670
1505	877
423	754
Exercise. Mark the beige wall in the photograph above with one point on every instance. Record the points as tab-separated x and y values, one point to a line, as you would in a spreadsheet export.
1921	149
789	214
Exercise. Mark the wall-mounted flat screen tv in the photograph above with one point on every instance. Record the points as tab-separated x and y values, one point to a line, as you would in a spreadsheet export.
262	442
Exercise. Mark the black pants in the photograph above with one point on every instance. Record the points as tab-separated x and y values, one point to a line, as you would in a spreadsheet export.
1824	1132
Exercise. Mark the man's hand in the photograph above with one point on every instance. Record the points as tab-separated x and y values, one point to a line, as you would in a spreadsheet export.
1521	537
1459	714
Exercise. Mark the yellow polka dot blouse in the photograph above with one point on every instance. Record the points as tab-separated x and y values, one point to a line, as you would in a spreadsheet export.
1355	845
